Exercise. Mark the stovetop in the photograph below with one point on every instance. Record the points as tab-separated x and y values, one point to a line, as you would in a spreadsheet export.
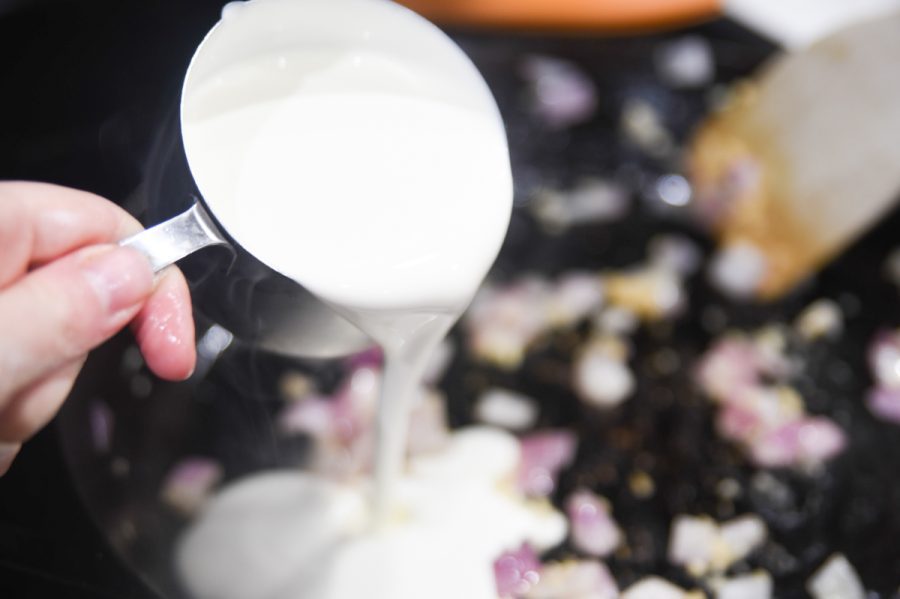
87	87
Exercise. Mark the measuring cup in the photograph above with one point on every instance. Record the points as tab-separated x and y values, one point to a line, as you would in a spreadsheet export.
249	298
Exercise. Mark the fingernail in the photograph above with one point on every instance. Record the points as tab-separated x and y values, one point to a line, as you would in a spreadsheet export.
8	452
121	277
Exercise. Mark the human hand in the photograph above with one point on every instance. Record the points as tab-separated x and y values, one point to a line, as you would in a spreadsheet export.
65	288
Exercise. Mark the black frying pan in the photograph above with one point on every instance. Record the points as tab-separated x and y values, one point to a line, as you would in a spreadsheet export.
666	429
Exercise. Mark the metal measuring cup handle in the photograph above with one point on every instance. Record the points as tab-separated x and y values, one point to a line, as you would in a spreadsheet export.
170	241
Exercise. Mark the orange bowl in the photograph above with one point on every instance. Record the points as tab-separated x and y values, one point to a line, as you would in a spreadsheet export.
567	14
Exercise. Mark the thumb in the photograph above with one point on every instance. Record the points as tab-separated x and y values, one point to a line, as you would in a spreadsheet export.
66	308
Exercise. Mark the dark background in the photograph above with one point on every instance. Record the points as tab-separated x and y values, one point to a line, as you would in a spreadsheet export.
83	87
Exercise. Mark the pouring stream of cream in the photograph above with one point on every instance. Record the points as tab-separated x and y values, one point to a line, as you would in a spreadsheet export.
342	170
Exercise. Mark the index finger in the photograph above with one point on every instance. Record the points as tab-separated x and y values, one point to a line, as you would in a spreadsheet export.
40	222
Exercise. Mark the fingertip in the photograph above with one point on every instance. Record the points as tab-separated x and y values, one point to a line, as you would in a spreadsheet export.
120	277
62	310
165	329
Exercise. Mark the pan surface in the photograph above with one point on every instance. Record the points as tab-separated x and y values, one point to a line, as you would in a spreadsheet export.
227	412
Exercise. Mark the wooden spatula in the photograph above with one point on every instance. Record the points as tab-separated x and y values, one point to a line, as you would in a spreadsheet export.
805	158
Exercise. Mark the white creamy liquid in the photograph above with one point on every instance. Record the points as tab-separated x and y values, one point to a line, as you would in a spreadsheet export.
346	170
387	204
286	535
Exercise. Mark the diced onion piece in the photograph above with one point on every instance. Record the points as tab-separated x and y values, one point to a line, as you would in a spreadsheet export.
550	208
600	379
778	448
362	387
820	439
693	543
836	579
773	407
102	424
189	484
738	270
757	585
770	344
295	386
737	423
884	403
503	321
769	420
563	95
811	440
340	417
575	580
654	587
650	292
643	126
313	416
516	572
675	253
576	295
371	357
506	409
355	403
822	318
735	365
593	529
616	320
743	535
343	459
590	201
884	359
729	368
700	545
543	455
686	62
503	347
